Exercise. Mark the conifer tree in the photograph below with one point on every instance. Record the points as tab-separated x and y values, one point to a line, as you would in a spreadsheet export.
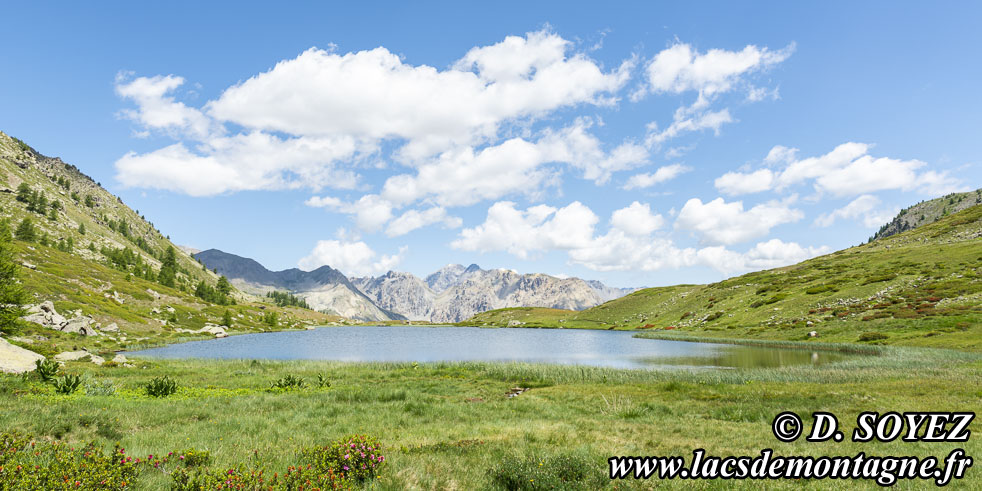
24	193
223	286
25	231
12	295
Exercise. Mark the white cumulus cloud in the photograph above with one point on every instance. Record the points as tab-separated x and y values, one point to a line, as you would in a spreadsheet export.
719	222
662	174
414	219
536	229
351	257
847	170
863	208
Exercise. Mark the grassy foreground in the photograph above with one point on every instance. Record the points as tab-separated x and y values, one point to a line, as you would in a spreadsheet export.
444	425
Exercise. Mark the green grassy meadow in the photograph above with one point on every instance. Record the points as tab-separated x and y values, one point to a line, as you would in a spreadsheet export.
445	425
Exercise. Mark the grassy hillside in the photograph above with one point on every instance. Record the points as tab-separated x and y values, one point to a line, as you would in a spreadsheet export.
921	287
93	255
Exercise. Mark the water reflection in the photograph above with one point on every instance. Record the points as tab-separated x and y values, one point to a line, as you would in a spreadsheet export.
617	349
750	357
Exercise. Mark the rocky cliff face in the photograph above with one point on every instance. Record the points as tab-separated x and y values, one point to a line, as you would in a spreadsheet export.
325	288
455	293
399	292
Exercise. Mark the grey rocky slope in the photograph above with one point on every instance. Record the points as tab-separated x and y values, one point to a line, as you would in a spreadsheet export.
927	212
455	293
324	289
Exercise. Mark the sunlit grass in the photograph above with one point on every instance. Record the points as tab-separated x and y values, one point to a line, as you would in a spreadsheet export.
445	424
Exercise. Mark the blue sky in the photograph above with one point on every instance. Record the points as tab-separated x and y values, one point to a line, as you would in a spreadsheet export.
646	144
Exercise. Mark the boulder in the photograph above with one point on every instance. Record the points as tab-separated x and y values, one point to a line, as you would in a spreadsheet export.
120	358
153	294
83	325
78	355
45	315
112	327
14	359
71	355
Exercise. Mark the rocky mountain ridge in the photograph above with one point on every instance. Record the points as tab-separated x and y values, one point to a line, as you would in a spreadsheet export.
455	293
927	212
325	289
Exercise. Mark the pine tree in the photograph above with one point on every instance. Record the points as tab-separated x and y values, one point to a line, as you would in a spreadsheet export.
81	229
227	319
12	295
223	286
24	193
168	268
25	231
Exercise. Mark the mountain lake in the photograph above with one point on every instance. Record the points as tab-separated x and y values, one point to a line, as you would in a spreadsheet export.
616	349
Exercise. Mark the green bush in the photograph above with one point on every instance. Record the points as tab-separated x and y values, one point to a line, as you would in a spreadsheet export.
358	457
161	387
567	471
295	478
872	336
29	464
46	370
192	457
819	289
67	384
289	382
104	388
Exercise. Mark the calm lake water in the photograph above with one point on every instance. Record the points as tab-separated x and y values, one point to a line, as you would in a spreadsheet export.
426	344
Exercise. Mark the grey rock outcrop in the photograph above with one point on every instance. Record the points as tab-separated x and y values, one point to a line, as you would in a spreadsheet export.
78	355
14	359
45	315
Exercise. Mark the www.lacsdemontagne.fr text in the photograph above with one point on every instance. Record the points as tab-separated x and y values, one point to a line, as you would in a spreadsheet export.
885	470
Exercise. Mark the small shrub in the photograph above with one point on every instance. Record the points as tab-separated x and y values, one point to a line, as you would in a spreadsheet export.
322	382
295	478
872	336
26	463
46	370
358	457
289	382
67	384
192	457
104	388
161	387
557	472
819	289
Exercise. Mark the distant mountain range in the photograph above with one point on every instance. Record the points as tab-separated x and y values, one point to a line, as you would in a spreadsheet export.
455	293
452	294
325	288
